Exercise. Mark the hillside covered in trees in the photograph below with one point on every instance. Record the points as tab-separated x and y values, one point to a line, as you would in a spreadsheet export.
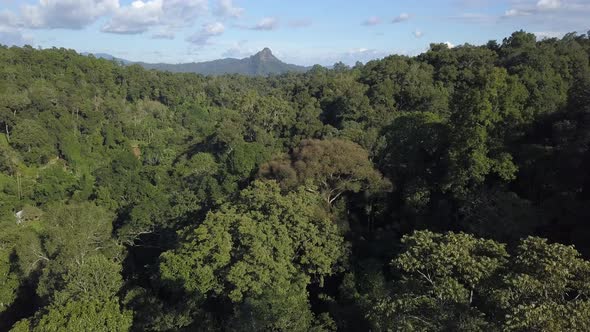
262	63
444	192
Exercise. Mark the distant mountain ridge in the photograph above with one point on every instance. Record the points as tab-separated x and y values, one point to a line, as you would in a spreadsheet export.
263	63
107	56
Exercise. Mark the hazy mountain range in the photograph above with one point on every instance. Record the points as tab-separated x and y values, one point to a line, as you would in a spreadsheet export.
263	63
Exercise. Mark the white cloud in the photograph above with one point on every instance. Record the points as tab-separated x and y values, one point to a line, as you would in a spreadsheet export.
9	19
135	18
214	29
549	15
267	23
226	8
418	34
374	20
548	4
66	14
523	8
449	44
183	12
13	37
401	18
11	34
140	15
207	31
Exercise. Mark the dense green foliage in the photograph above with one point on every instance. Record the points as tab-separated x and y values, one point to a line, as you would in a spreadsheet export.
443	192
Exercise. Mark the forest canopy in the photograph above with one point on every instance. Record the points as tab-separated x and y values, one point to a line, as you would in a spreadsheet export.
447	191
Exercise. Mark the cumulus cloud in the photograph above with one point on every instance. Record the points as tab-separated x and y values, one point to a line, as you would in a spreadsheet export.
66	14
401	18
418	33
9	19
136	18
226	8
267	23
374	20
10	32
214	29
140	15
13	37
182	12
207	31
449	44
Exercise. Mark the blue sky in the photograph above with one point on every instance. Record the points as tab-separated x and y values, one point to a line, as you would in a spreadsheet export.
298	31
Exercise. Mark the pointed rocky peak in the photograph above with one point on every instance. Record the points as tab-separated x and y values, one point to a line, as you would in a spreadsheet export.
265	55
266	51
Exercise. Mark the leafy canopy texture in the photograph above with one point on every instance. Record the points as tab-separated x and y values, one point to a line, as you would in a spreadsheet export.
455	281
80	273
86	315
262	250
546	289
335	166
127	192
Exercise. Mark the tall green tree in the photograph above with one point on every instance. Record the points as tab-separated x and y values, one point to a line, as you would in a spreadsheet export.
265	247
454	281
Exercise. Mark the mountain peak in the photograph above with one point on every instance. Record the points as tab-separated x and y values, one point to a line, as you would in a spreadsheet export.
265	54
262	63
